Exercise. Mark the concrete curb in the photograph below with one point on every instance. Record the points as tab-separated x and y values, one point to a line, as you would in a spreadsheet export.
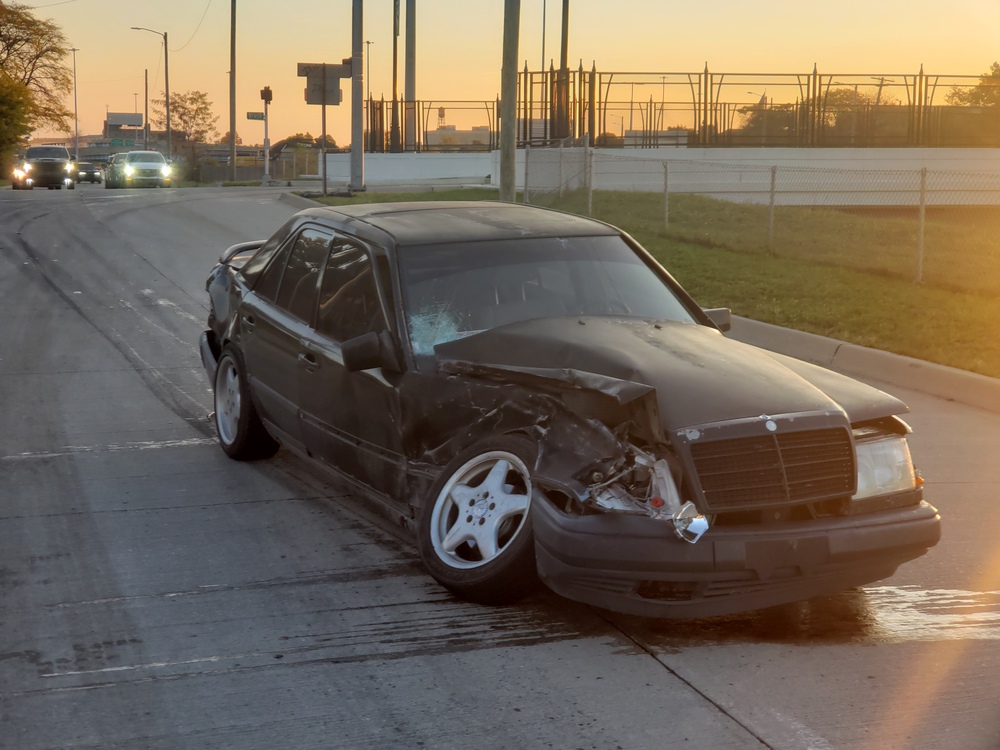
298	201
937	380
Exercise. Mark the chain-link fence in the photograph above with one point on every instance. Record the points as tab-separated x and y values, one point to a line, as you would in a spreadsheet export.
937	227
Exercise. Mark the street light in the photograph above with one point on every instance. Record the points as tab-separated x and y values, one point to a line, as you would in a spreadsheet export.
166	78
76	117
368	73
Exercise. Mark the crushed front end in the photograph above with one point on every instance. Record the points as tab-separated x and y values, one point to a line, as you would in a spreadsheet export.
736	516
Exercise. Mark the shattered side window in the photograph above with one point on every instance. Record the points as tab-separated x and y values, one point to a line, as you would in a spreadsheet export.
457	290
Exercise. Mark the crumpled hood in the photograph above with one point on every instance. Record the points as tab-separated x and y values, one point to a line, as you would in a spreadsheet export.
700	377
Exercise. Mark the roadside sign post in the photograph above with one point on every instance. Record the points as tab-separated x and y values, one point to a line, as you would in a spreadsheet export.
265	94
322	88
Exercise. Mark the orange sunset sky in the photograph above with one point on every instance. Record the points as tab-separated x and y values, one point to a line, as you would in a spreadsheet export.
459	46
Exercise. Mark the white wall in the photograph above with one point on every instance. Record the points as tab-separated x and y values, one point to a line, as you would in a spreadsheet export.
473	168
479	168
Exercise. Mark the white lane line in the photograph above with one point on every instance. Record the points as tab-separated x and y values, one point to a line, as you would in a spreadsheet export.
71	450
805	738
155	325
152	665
160	302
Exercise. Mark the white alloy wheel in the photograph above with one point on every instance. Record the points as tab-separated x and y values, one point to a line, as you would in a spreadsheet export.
481	510
228	400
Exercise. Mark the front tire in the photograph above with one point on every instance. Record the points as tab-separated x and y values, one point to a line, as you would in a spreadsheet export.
474	531
241	433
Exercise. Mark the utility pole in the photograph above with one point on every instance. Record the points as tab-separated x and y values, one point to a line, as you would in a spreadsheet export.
508	101
232	92
76	118
394	126
410	78
357	91
166	94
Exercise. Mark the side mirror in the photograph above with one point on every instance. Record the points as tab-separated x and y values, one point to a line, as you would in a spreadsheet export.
721	316
368	351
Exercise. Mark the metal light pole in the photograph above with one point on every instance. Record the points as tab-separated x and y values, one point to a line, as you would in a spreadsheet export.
368	73
76	118
145	114
542	67
166	79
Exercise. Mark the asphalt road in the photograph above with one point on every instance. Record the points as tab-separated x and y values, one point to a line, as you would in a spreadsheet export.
154	594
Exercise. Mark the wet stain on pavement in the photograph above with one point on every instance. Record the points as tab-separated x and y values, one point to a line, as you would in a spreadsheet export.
868	616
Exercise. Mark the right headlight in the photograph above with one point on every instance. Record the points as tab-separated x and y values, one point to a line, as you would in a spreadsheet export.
884	467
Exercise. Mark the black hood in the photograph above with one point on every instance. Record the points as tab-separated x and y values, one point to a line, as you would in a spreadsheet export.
700	377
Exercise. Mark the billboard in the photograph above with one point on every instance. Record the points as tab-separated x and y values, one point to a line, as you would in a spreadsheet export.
127	119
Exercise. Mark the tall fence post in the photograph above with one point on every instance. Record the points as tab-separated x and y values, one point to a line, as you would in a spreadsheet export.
527	161
666	194
589	173
561	169
920	230
770	211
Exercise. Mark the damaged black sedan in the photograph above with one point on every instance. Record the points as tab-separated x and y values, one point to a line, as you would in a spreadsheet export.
535	397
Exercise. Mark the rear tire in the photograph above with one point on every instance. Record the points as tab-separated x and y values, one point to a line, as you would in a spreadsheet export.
474	529
241	433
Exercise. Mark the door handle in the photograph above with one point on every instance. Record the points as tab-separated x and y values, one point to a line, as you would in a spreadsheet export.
308	361
248	322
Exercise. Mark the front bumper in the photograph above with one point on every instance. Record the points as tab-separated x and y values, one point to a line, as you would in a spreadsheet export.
636	565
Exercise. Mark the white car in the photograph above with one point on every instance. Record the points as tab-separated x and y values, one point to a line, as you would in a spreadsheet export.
140	169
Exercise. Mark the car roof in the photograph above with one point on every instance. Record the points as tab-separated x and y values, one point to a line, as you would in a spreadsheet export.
423	222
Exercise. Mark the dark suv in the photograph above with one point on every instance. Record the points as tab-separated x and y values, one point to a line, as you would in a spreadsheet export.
45	166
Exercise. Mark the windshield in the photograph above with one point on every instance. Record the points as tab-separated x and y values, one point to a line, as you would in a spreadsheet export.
48	152
135	156
456	290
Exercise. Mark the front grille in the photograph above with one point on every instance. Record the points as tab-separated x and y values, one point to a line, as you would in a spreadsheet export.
769	470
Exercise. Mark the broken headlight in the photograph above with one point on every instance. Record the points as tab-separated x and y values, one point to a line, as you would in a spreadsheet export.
884	467
646	485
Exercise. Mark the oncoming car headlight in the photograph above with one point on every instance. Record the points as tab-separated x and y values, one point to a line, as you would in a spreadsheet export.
70	168
166	170
129	169
884	467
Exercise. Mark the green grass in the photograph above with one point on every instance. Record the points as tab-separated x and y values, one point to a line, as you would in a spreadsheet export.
834	273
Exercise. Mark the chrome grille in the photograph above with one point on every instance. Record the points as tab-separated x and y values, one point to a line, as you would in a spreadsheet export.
769	470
